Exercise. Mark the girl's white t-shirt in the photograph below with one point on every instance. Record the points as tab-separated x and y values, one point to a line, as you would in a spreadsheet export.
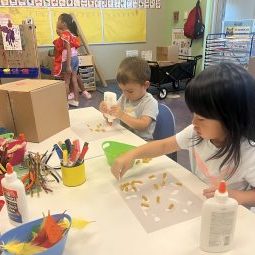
208	170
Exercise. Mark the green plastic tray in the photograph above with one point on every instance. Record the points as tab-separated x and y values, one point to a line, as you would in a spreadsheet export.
114	149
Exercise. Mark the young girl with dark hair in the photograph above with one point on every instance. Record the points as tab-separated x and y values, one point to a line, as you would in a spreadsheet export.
221	139
66	60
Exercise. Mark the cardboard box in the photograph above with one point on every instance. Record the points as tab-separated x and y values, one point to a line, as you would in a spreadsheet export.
169	53
6	119
37	108
251	66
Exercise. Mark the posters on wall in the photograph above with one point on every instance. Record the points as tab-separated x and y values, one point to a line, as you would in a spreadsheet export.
132	53
129	4
180	40
238	27
146	55
10	34
13	2
104	25
237	30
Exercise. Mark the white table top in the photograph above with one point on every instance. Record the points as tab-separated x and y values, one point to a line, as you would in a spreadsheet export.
79	120
117	230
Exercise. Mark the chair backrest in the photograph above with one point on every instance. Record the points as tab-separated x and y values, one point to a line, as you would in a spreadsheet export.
165	125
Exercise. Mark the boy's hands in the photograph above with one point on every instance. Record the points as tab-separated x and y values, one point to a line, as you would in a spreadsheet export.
103	107
121	165
116	111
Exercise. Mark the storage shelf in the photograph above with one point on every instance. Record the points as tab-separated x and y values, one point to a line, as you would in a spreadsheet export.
87	74
222	48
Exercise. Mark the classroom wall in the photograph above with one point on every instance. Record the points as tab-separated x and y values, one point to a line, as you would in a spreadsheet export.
185	6
109	56
159	27
208	24
236	9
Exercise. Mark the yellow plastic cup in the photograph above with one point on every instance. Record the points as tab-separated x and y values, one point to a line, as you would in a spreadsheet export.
73	176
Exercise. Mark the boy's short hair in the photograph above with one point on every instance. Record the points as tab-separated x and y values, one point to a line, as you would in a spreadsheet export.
133	69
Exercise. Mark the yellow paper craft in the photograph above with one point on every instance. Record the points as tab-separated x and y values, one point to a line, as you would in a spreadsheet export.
80	223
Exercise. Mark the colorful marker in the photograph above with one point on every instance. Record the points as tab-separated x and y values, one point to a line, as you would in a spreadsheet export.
82	155
63	146
65	157
76	144
68	145
59	151
74	154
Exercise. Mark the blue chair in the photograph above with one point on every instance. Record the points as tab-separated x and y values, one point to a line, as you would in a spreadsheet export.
165	126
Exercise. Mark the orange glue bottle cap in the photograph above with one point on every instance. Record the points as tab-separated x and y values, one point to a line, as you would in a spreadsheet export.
9	168
222	187
22	137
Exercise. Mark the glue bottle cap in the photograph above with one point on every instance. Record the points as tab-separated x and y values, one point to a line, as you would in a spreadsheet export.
9	168
222	187
22	137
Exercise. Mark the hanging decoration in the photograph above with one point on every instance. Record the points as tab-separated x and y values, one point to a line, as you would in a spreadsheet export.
114	4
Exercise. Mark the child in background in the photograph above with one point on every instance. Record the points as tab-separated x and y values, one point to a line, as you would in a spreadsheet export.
84	92
221	139
66	61
136	109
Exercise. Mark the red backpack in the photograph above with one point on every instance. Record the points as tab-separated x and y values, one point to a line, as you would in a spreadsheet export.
193	27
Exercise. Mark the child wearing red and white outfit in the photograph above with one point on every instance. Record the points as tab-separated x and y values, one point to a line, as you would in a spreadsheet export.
66	60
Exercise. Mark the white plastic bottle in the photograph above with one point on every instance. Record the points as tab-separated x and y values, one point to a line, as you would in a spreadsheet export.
111	99
15	197
218	221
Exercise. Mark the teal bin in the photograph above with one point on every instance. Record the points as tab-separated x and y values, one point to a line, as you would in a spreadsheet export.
23	233
114	149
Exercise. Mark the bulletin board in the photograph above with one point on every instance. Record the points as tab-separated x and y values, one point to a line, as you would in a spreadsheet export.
89	20
99	25
41	18
124	26
27	56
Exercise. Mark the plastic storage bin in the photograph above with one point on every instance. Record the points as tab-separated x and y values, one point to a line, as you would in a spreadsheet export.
23	233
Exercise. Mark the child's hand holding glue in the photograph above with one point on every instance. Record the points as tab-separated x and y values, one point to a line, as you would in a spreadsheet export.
116	111
104	109
110	99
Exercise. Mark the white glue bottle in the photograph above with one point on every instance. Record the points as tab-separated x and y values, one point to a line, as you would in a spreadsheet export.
110	99
15	197
218	221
